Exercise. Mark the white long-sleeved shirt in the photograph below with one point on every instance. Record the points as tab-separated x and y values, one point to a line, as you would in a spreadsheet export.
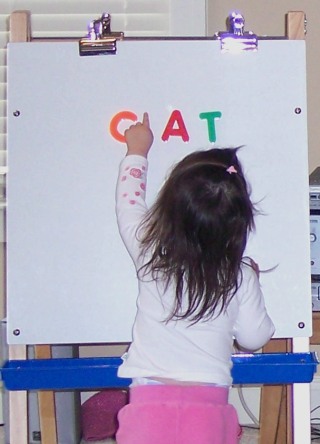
176	349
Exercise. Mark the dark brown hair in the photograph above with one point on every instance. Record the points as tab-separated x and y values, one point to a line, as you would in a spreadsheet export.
196	232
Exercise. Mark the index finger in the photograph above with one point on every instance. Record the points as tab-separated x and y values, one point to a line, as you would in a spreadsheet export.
145	120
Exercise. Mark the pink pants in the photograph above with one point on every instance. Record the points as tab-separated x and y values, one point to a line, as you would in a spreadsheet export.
175	414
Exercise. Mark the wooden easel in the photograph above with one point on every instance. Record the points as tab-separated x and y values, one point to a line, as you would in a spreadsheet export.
18	412
276	401
20	31
18	417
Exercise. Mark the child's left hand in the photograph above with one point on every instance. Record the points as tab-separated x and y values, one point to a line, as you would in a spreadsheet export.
139	137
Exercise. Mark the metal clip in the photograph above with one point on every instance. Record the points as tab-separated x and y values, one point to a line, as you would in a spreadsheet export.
235	39
100	39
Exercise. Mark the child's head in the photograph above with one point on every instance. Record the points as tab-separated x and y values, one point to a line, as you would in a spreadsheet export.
197	230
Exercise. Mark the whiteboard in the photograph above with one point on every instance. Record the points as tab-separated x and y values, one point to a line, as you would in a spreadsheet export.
69	278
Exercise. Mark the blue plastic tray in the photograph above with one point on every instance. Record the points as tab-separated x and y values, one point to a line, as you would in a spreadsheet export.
274	368
96	373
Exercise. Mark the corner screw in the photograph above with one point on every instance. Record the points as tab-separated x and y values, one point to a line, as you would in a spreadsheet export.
16	113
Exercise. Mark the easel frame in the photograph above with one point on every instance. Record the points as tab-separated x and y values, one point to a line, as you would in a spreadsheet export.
292	424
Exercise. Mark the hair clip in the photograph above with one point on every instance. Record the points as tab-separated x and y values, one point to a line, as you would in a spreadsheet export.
231	169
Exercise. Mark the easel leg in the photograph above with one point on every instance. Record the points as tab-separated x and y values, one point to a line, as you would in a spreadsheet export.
18	415
46	400
275	417
271	425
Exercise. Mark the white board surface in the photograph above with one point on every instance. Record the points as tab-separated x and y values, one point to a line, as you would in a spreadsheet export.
69	278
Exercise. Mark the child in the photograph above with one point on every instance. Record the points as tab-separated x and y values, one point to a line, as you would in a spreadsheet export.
196	295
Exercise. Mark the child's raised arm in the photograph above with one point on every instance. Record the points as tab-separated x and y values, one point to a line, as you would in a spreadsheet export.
139	137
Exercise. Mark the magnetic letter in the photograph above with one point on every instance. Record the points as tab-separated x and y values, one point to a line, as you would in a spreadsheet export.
210	117
179	131
115	121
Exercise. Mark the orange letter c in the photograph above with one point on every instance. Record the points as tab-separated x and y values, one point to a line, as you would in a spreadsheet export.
115	121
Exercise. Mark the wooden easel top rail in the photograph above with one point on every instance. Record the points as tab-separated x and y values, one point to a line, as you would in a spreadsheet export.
276	421
20	27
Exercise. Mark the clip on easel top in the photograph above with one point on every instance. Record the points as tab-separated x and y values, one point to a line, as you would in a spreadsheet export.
236	39
100	39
